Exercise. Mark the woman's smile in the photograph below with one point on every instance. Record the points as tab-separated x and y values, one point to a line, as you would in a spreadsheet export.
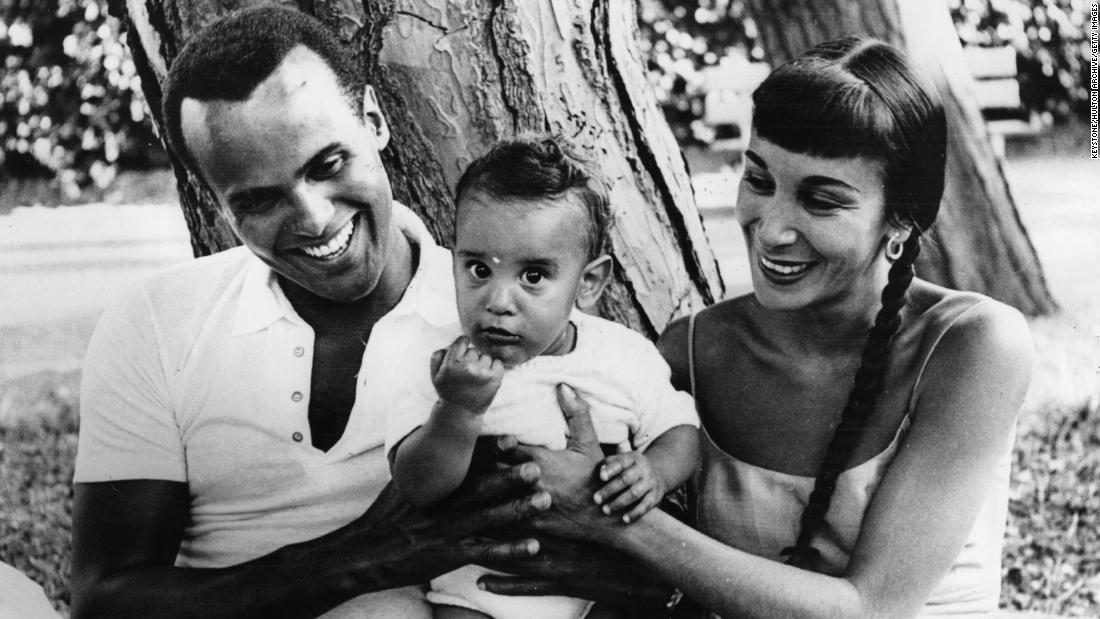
784	272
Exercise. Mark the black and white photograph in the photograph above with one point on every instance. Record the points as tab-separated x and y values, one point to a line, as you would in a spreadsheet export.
564	309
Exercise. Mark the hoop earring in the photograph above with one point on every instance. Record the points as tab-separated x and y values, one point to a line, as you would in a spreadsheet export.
894	247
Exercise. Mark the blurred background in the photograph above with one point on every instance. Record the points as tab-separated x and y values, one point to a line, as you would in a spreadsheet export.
88	207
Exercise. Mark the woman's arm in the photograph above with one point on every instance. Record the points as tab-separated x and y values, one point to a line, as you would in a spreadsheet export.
915	526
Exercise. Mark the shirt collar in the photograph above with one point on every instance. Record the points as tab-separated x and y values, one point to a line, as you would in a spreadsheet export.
262	301
430	293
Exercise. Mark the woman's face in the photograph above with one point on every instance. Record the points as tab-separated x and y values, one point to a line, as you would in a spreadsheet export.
815	228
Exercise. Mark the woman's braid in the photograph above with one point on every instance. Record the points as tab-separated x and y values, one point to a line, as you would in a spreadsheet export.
861	400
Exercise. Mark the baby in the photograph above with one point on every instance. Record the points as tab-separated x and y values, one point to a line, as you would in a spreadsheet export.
531	234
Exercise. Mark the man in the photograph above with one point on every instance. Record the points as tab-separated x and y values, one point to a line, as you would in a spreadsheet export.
212	478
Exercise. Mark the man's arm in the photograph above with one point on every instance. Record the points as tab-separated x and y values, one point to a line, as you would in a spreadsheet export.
126	536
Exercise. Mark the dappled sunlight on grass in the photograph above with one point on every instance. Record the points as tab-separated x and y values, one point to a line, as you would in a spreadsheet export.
37	451
1052	550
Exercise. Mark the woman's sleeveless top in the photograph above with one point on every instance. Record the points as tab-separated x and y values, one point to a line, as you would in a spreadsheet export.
757	510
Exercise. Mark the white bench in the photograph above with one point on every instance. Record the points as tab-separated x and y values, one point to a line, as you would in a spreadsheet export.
998	94
727	107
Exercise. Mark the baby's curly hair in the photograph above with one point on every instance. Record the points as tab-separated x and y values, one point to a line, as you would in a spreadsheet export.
537	166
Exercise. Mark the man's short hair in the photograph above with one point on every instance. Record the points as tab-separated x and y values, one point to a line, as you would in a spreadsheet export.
232	55
537	166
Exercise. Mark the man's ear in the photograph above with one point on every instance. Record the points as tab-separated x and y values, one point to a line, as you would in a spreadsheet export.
372	114
594	278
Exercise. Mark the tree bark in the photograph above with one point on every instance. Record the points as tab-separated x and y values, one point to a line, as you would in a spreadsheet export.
453	78
979	242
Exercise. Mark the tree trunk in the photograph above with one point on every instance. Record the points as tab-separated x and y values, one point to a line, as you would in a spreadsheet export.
454	77
979	242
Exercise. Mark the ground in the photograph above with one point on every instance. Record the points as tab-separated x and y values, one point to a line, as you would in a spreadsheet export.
59	266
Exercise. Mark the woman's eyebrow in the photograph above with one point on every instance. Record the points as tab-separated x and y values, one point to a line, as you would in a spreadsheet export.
828	181
756	159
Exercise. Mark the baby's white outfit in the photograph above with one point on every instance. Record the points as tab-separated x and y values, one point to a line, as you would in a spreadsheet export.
618	372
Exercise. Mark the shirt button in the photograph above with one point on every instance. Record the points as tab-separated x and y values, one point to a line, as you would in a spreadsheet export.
297	436
299	351
296	396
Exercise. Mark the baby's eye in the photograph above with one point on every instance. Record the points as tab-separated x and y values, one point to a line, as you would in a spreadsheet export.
532	276
479	270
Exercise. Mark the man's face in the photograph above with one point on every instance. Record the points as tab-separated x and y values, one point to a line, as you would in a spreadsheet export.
299	176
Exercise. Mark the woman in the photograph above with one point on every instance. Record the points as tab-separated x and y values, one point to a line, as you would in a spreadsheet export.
817	498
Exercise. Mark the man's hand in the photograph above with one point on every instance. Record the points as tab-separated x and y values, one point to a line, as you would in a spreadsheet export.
632	483
126	535
584	570
569	475
401	545
567	562
464	377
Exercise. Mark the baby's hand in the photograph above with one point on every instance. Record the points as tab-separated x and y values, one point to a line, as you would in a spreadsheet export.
632	482
465	377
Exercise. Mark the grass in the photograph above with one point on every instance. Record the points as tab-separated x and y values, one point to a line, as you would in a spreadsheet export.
1052	546
37	450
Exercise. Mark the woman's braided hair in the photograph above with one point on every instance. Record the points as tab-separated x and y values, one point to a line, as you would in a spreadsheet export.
856	97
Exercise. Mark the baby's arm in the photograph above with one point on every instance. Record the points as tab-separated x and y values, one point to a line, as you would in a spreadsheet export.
639	480
431	462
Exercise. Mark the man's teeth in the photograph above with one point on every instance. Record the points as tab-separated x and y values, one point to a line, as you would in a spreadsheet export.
783	269
334	247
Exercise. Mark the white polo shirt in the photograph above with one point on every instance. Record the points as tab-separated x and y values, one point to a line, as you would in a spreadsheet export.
202	376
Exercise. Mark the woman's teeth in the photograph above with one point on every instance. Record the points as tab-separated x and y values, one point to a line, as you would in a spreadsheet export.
335	246
784	269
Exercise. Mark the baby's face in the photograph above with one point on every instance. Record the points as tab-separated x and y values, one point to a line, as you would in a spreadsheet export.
518	266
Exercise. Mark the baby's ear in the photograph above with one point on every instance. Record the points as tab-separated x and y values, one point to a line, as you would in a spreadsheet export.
593	279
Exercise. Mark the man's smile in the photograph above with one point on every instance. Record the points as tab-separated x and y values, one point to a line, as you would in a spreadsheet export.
334	247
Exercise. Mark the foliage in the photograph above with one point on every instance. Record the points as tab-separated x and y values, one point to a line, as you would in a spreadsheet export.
682	38
71	106
1052	48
